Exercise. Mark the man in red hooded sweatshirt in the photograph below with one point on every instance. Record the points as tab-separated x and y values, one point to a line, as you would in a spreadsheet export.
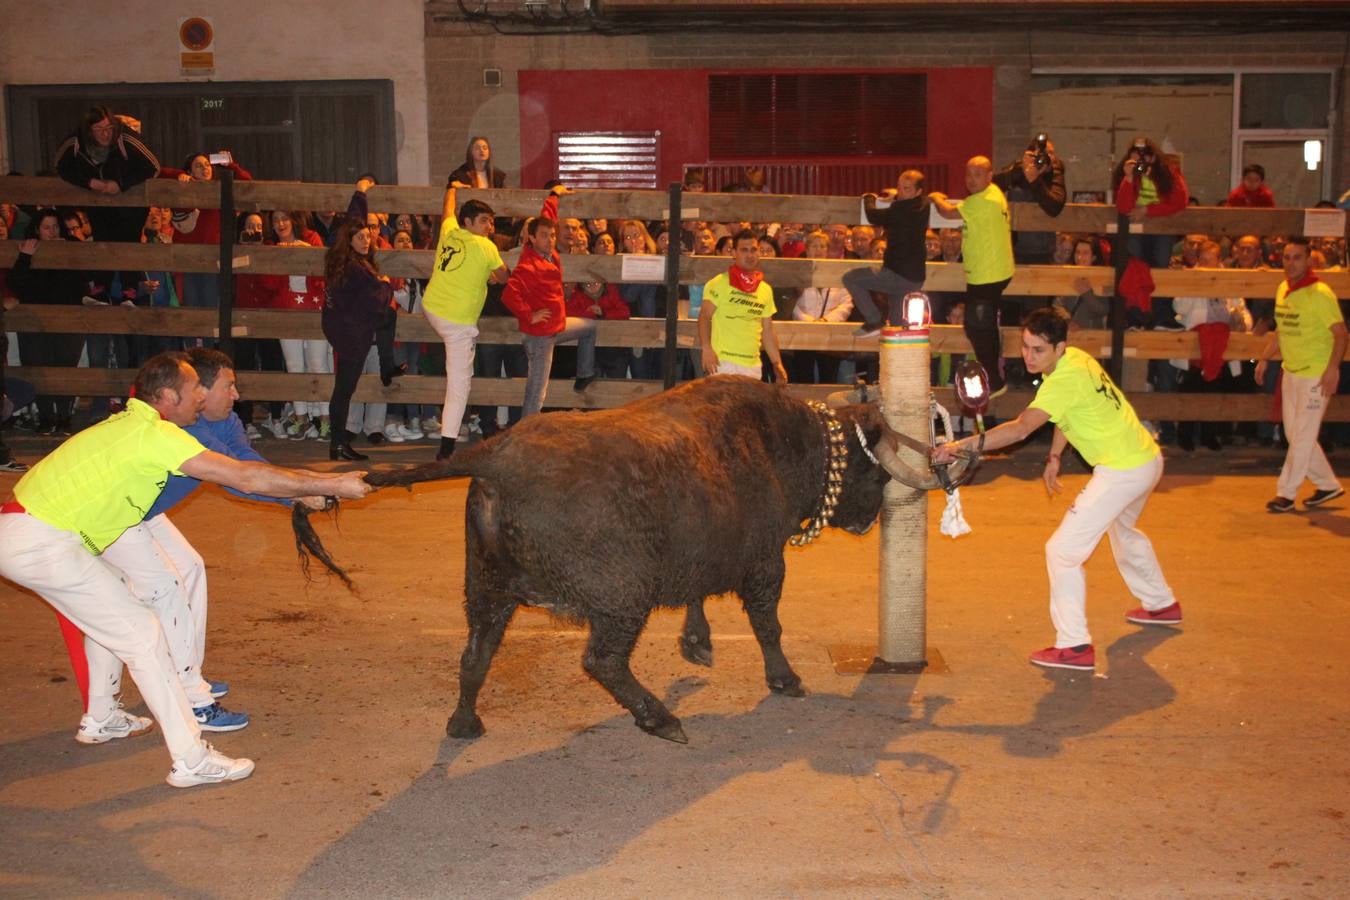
534	293
1252	192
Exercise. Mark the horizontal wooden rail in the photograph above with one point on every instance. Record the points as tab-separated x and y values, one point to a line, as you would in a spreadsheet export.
255	196
831	336
606	394
1028	281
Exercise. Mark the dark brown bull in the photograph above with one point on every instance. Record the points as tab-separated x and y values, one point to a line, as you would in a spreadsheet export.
602	517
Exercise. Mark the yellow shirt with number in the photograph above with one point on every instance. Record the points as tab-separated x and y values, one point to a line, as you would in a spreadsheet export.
986	253
1093	413
738	319
105	479
459	275
1303	320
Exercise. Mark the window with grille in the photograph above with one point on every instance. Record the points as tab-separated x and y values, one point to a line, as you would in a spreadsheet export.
819	114
608	159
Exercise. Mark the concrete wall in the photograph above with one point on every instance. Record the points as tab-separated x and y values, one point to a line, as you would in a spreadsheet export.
459	104
101	41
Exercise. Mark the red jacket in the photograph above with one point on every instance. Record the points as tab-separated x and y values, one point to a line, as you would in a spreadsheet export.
611	304
1259	198
536	283
1169	204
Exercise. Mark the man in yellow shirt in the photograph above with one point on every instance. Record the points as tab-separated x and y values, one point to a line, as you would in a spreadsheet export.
1311	337
987	257
466	260
736	318
78	500
1090	412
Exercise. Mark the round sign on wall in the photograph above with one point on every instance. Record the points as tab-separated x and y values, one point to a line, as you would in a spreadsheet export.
196	34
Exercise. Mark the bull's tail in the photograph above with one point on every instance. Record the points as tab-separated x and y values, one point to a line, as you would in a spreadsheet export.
307	542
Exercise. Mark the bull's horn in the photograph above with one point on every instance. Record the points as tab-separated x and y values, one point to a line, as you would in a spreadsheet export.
906	475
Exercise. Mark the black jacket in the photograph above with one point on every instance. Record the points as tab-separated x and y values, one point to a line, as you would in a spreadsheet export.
129	161
906	224
50	287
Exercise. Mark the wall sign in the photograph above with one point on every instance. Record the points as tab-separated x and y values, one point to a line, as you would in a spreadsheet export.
196	40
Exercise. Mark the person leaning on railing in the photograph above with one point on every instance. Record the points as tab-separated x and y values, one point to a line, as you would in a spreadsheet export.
201	226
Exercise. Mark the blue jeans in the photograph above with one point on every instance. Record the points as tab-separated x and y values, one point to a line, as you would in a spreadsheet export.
539	357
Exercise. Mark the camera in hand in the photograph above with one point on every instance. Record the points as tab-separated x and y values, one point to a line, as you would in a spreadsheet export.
1140	168
1042	158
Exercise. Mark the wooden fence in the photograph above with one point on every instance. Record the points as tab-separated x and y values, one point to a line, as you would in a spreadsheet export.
793	273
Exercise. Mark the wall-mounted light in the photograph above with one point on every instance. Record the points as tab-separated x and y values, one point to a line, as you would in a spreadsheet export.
1312	154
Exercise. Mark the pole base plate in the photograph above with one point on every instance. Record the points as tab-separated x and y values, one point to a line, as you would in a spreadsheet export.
862	659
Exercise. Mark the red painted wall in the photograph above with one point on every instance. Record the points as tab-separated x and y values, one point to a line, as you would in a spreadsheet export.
675	102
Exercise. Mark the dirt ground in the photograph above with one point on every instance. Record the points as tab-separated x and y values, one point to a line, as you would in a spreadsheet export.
1202	761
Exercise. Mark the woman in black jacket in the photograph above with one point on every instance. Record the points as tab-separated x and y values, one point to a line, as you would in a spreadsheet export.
357	314
52	287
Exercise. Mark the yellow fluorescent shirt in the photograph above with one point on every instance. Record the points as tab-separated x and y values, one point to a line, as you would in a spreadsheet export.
1093	413
738	319
1303	320
459	276
987	254
105	479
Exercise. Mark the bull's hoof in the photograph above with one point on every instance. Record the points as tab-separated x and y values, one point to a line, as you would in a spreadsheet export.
788	687
667	727
696	650
465	726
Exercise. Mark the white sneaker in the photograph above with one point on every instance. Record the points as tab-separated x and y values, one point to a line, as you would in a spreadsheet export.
409	432
392	435
252	431
415	424
277	427
119	724
431	426
213	769
311	433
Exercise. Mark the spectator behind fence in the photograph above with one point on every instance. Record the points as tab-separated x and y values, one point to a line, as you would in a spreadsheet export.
1212	320
1085	307
48	287
105	155
1037	177
7	461
202	226
987	258
645	300
478	169
257	354
903	267
419	420
1149	186
1252	192
816	304
1311	339
308	418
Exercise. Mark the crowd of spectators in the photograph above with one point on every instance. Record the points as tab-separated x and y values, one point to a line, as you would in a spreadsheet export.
105	154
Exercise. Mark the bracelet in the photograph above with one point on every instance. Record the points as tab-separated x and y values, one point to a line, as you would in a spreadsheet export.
1050	456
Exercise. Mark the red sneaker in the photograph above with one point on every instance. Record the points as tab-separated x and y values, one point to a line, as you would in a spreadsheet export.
1168	615
1083	658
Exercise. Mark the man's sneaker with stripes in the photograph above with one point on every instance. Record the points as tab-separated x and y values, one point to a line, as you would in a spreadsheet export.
119	724
1082	657
214	768
1318	497
1168	615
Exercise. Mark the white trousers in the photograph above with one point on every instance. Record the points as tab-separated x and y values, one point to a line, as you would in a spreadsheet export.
1301	409
1110	503
92	594
368	418
460	341
308	357
167	575
730	368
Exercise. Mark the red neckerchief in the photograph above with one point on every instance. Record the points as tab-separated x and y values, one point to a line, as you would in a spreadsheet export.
742	280
1308	278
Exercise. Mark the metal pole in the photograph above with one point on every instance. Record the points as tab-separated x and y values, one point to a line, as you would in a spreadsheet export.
1120	255
902	610
225	323
673	247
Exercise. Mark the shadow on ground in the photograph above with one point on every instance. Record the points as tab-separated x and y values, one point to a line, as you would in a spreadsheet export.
522	824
